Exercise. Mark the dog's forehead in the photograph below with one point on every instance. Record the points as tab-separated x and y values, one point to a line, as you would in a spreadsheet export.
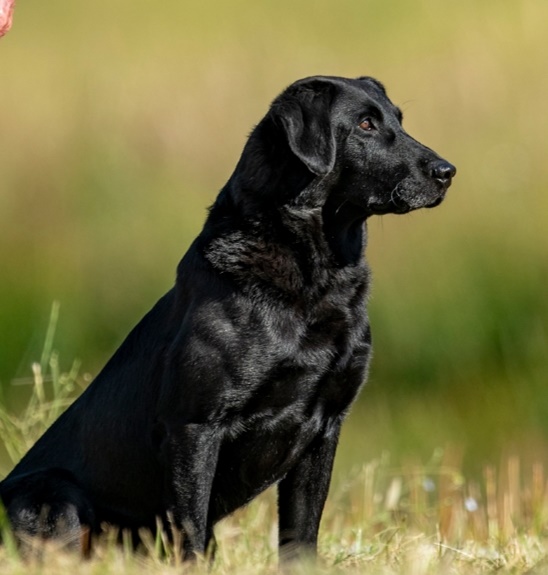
369	88
350	94
366	90
370	84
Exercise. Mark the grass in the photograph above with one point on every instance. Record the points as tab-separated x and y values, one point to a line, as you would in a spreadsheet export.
19	432
383	517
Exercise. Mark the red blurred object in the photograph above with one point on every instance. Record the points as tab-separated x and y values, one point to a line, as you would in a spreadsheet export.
6	15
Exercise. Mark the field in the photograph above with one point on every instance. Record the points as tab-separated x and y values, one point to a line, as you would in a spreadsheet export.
413	519
119	123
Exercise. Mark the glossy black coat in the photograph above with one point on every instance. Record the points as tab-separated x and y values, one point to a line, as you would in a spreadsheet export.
240	376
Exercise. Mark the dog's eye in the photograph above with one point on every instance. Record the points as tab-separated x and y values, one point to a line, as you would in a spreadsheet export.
367	124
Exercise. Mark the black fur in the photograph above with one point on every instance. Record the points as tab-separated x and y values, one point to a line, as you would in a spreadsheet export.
240	376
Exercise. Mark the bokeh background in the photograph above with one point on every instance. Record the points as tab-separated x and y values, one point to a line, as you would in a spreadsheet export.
120	121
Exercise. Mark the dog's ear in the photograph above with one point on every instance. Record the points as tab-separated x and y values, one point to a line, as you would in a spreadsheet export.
304	112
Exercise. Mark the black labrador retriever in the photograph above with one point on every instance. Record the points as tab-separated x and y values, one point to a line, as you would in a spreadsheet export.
241	376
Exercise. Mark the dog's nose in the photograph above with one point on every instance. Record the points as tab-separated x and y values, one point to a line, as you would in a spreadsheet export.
442	170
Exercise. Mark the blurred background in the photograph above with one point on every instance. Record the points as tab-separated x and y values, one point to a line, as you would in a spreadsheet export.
120	121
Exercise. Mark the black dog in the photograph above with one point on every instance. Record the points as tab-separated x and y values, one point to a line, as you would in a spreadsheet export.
240	377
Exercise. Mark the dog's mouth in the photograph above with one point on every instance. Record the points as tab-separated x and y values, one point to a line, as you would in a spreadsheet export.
398	205
444	186
393	206
403	199
436	202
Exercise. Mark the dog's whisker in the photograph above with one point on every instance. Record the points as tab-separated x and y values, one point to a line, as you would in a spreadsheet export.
339	208
394	192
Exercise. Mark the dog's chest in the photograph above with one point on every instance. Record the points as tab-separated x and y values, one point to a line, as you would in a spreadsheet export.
294	361
278	424
310	372
316	341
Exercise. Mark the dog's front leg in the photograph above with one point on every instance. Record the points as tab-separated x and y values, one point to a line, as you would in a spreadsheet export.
302	494
189	454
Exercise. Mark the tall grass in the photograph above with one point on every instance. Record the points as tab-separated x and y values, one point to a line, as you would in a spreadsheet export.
51	391
420	517
416	516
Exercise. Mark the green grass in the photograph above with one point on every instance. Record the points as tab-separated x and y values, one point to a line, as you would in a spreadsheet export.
408	516
381	521
412	518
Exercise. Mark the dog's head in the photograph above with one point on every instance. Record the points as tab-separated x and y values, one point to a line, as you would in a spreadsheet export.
350	131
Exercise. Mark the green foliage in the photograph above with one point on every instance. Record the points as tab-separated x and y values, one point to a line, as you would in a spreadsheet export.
122	122
51	392
380	518
391	515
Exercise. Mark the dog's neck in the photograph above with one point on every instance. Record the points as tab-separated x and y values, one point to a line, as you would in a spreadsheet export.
345	230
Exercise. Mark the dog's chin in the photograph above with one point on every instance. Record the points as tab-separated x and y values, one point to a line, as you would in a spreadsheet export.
394	206
427	202
436	202
399	205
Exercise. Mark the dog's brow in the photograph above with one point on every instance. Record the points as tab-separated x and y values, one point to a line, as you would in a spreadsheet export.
399	114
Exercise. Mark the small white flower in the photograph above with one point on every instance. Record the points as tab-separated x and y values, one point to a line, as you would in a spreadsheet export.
470	504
